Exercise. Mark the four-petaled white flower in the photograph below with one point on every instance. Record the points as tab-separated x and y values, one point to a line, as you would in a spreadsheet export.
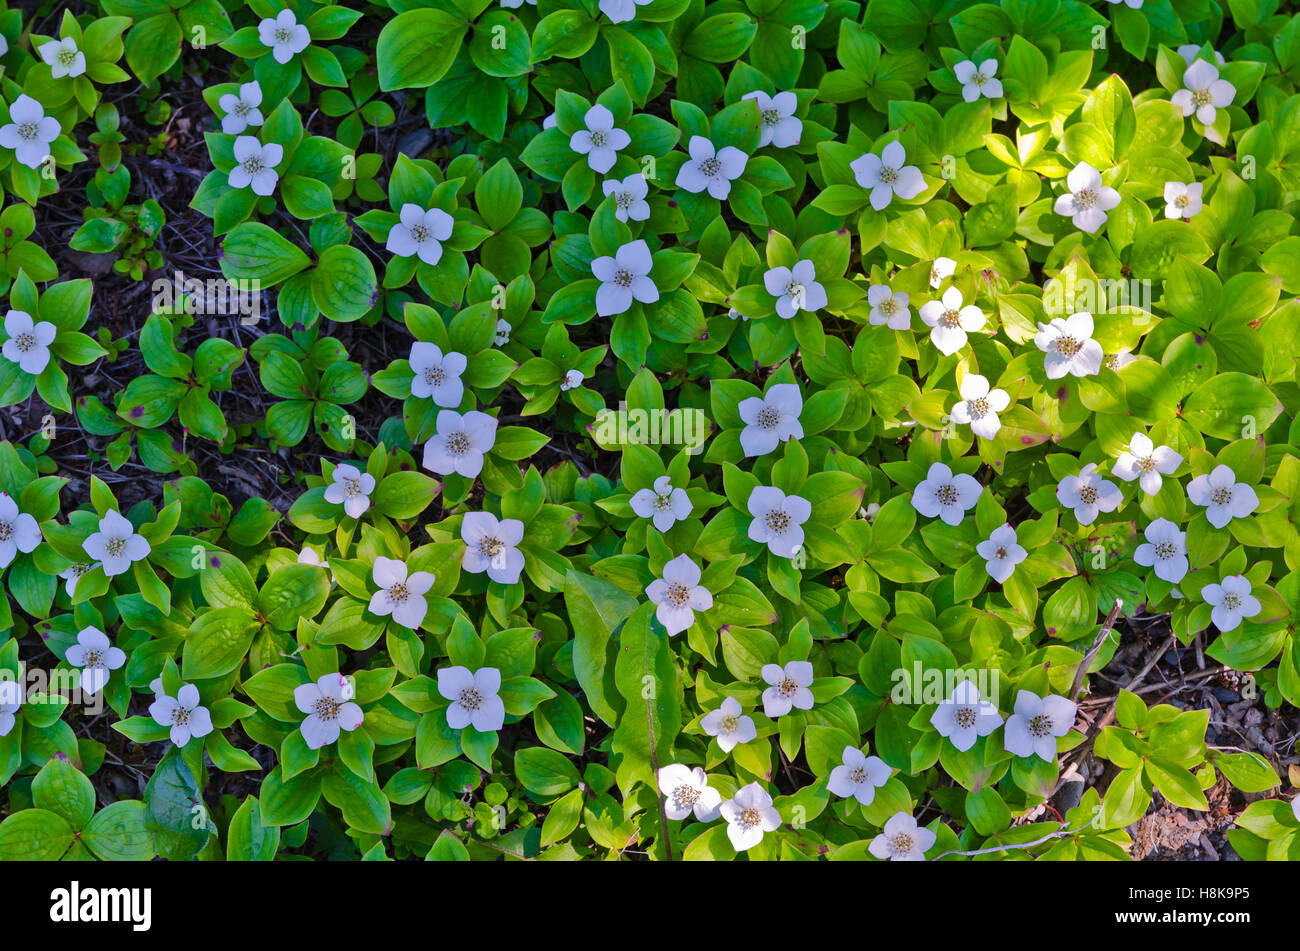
770	419
183	713
284	35
965	716
1001	553
1231	601
474	696
571	380
420	231
729	724
859	776
1036	723
1183	201
1087	200
777	519
29	342
492	546
620	11
748	816
980	406
309	556
888	308
63	57
711	168
1165	548
686	791
887	175
351	488
779	125
946	495
1189	52
979	80
19	531
1069	346
96	657
1204	92
629	197
624	277
329	707
950	321
679	595
599	141
1088	493
1222	495
502	336
664	504
29	132
516	4
436	375
71	575
255	165
241	111
459	443
795	289
11	699
902	840
1146	462
942	269
400	595
787	688
116	545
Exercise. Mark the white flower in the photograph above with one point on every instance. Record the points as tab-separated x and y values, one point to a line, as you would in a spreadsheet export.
1204	92
1069	346
351	488
460	442
11	698
663	504
474	698
1189	51
977	81
888	308
950	321
550	121
516	4
945	495
620	11
572	380
4	48
116	545
1146	462
72	574
400	596
1231	600
255	165
748	816
284	35
629	197
308	556
624	277
777	519
902	840
241	111
711	168
941	270
965	716
492	546
735	314
18	531
29	132
788	688
96	657
729	724
1223	496
887	175
437	374
420	232
29	342
980	406
183	713
1118	361
1087	200
1088	493
1182	201
1001	553
687	791
779	125
1166	549
770	419
502	336
795	289
1036	724
600	141
63	57
679	595
859	776
329	707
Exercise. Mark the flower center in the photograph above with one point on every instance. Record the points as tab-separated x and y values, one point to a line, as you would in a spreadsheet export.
419	234
858	776
624	200
770	116
888	175
1231	601
470	698
25	342
457	443
1201	97
948	319
352	488
27	131
1088	495
710	167
748	818
888	306
677	594
327	709
1040	726
242	108
114	547
1068	346
67	57
664	502
598	139
6	531
1000	553
979	79
1165	550
1146	463
1181	201
946	494
254	165
788	688
1085	198
769	417
795	290
398	592
435	376
777	522
901	844
685	796
978	407
1221	496
490	547
623	277
181	716
965	718
728	724
282	35
94	658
